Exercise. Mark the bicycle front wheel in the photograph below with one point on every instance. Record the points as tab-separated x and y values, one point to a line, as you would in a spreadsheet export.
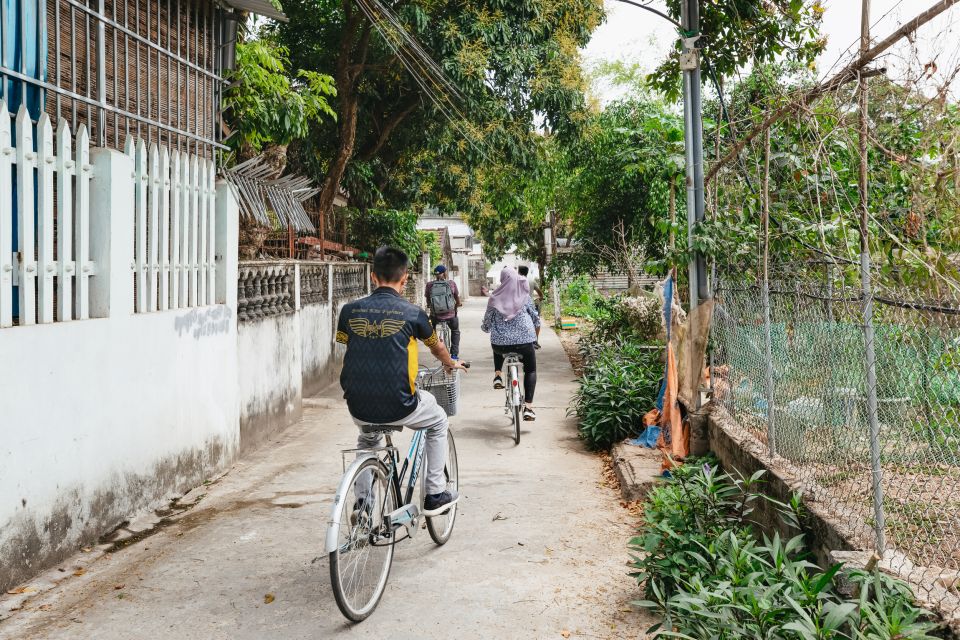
441	526
360	565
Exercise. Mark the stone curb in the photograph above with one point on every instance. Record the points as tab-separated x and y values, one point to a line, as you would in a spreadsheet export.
637	469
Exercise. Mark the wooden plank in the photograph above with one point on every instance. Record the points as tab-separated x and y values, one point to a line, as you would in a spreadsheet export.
82	170
164	188
26	245
175	227
202	235
6	220
46	268
140	209
153	226
184	238
65	172
194	228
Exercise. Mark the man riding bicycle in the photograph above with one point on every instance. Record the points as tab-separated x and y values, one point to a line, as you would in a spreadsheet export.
443	299
380	371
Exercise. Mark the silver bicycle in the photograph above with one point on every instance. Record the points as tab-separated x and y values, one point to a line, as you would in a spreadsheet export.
444	333
376	500
512	365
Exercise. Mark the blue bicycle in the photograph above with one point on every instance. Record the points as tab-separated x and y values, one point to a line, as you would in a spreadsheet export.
378	499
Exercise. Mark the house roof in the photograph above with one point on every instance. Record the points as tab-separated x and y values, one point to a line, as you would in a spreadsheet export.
260	7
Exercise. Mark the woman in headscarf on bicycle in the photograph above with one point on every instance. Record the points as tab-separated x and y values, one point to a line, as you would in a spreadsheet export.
514	327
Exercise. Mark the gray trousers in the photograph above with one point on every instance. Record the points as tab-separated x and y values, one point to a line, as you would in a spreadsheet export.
428	415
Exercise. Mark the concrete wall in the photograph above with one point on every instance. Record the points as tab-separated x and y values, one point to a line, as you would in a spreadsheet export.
284	358
270	362
99	423
103	418
739	451
320	362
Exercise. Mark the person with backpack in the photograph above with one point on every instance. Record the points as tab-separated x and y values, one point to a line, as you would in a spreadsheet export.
443	298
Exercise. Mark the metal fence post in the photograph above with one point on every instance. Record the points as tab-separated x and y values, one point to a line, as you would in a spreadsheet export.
868	332
765	295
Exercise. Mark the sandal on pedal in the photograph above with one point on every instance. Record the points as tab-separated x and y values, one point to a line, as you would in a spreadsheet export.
497	382
528	414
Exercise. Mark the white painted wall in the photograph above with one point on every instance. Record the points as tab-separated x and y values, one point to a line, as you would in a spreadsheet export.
270	365
102	418
283	359
317	341
511	259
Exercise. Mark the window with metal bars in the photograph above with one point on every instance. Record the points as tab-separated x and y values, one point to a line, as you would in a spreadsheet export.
149	69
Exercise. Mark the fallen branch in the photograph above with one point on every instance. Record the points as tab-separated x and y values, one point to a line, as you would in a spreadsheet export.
848	73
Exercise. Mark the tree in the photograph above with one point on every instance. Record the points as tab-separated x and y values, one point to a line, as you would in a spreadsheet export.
267	103
739	33
511	62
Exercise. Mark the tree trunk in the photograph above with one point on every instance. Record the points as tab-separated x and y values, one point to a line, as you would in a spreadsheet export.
346	75
348	137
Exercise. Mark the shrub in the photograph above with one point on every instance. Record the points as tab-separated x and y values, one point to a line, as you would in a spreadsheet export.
710	575
618	387
579	298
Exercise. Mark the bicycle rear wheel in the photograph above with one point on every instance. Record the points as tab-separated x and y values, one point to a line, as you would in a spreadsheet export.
441	526
513	403
360	565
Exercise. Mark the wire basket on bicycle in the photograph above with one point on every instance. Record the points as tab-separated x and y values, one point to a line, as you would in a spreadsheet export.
444	386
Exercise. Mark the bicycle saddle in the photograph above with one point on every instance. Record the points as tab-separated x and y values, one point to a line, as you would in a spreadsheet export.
380	428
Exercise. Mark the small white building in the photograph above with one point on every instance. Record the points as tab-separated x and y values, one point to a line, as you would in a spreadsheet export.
462	246
511	259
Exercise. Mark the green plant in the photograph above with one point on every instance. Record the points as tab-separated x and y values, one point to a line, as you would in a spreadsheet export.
429	243
370	229
618	387
265	105
579	298
710	574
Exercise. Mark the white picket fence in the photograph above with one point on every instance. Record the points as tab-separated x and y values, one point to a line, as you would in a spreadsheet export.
52	192
175	213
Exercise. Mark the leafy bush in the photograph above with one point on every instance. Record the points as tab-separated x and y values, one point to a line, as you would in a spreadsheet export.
429	243
264	105
579	298
709	574
372	228
618	387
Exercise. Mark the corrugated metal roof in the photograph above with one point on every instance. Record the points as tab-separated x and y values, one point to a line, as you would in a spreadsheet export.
259	7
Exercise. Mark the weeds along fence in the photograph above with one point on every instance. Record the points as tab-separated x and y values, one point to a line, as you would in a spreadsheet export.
798	380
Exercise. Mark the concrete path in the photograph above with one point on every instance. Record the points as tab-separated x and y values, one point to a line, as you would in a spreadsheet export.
539	549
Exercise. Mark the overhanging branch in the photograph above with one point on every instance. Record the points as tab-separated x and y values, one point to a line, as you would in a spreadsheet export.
848	73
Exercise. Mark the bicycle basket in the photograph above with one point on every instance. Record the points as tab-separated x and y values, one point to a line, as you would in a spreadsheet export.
444	386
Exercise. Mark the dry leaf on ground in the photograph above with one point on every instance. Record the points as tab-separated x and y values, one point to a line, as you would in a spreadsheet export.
267	599
21	590
565	633
79	571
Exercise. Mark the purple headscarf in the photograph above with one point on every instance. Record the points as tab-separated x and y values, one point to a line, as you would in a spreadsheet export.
512	294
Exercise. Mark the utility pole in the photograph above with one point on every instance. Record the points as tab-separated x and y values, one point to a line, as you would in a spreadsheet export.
693	143
549	240
693	147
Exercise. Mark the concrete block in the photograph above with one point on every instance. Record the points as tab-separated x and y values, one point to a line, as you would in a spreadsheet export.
637	469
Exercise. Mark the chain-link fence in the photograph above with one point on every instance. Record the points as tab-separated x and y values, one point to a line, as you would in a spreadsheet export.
797	378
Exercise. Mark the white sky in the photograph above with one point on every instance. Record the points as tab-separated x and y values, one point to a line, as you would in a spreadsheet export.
636	35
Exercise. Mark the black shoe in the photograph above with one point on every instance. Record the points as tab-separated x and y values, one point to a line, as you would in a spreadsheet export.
497	382
439	502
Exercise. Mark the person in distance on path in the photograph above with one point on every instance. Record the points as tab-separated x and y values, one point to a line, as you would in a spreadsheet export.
514	327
